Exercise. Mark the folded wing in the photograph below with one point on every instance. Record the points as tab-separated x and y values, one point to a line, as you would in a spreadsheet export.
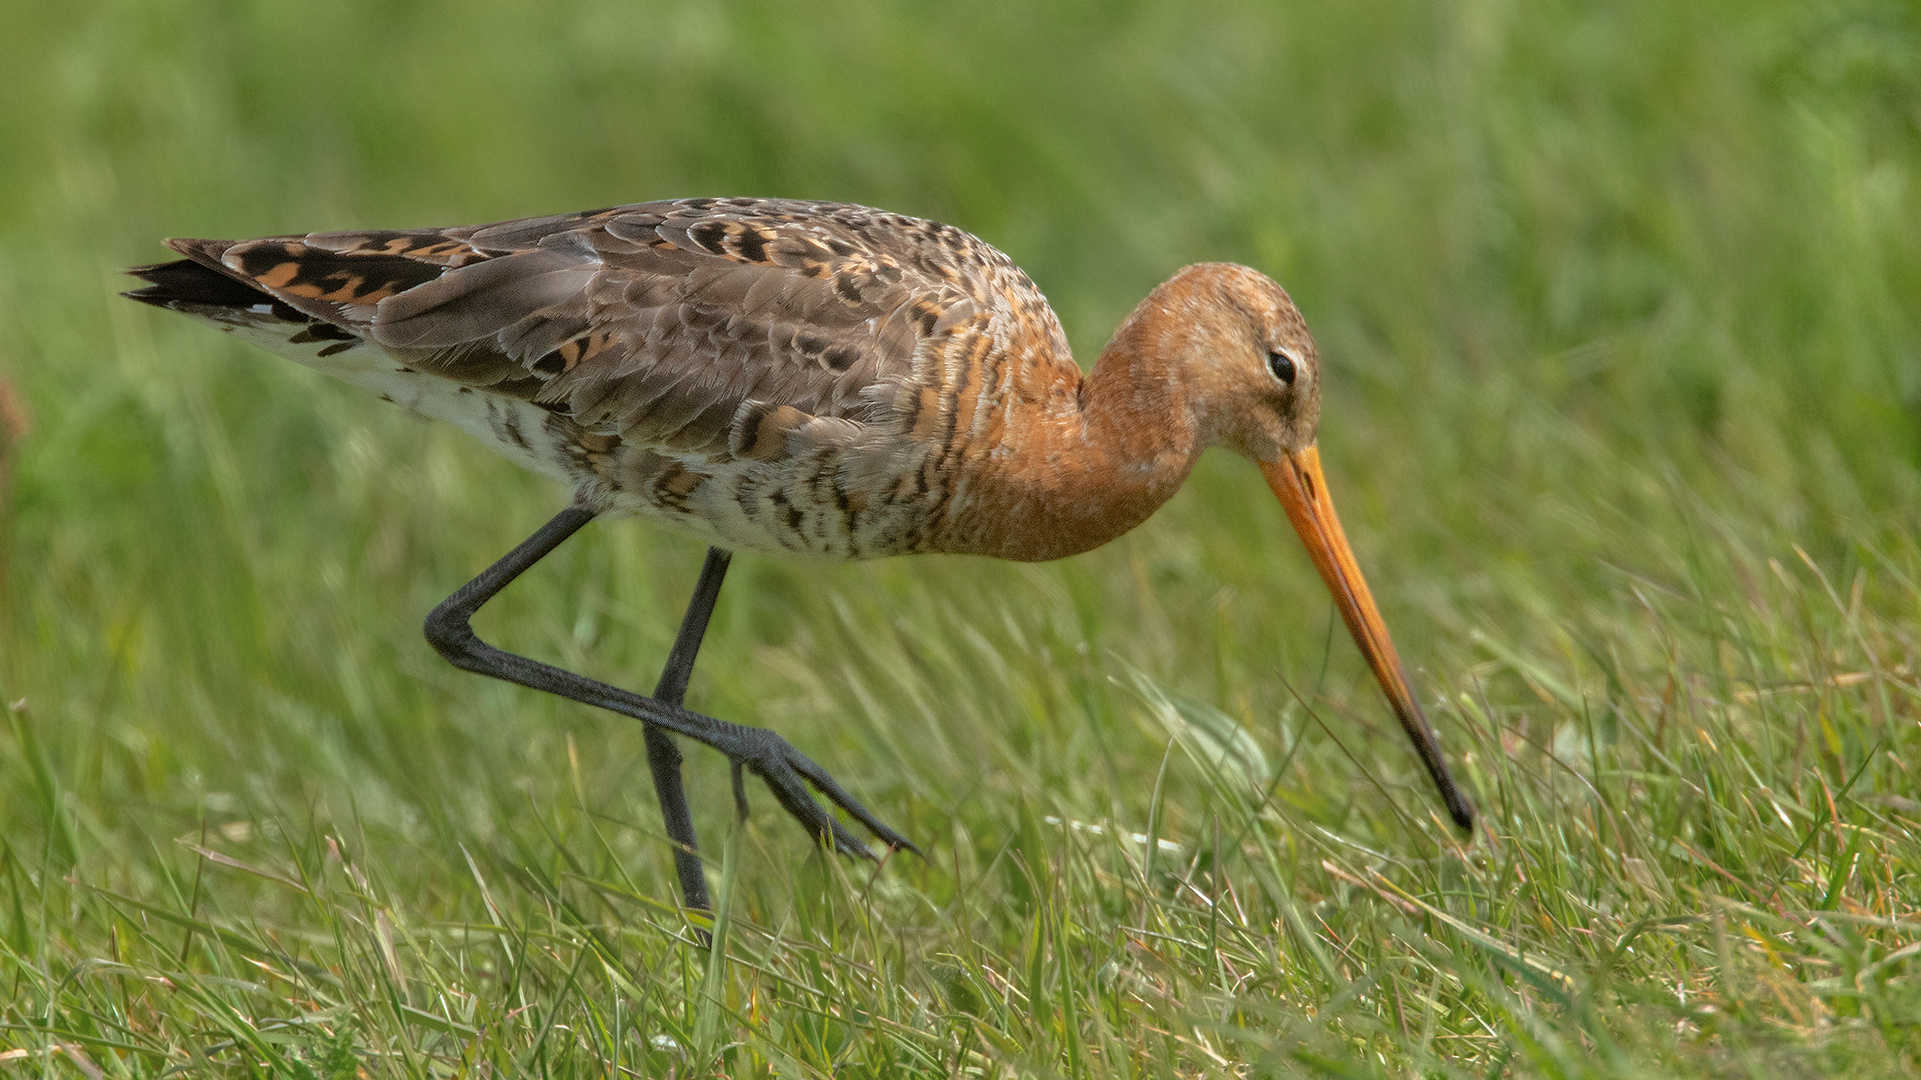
697	326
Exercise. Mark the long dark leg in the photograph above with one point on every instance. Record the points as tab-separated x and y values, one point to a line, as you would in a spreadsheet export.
663	757
771	757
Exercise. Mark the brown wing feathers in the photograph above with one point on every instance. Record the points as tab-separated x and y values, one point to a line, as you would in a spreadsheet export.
709	325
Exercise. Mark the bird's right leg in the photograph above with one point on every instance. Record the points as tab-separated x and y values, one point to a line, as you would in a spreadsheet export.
771	757
663	757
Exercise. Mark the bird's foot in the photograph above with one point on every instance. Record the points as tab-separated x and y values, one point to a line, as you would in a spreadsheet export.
775	761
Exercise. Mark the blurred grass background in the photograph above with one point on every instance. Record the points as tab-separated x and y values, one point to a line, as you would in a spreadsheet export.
1619	308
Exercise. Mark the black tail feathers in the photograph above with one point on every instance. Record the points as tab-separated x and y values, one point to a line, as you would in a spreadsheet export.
185	285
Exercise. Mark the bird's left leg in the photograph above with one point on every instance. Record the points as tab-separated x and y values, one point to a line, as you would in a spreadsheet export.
786	770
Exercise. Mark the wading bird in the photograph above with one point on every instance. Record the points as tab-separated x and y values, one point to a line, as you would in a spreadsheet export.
794	378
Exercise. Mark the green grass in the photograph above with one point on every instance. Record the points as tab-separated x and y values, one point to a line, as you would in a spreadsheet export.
1619	308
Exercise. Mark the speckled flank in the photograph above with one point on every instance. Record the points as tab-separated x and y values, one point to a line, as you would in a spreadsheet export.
790	377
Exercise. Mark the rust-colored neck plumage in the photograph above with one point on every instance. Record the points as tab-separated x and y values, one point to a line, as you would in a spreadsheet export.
1102	456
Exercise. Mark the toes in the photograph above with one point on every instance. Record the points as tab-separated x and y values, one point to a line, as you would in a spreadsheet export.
847	843
799	802
783	768
879	828
829	787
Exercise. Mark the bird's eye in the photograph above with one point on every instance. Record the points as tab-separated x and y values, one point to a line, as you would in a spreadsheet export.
1282	365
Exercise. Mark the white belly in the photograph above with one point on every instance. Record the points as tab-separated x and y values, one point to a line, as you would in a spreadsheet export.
739	504
516	429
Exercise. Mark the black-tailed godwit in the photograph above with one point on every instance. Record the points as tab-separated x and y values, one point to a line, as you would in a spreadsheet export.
799	379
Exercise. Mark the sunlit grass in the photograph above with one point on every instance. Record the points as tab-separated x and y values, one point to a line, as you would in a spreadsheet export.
1623	416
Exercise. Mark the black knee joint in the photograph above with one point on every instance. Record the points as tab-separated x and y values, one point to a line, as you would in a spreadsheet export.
448	632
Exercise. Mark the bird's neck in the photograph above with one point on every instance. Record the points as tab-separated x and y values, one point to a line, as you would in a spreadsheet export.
1104	457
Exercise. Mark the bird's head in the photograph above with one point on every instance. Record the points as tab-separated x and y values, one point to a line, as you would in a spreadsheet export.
1239	356
1252	375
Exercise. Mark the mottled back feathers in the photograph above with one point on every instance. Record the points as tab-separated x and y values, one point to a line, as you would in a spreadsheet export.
703	342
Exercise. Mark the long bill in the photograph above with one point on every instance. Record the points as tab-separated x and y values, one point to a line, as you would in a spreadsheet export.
1297	481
